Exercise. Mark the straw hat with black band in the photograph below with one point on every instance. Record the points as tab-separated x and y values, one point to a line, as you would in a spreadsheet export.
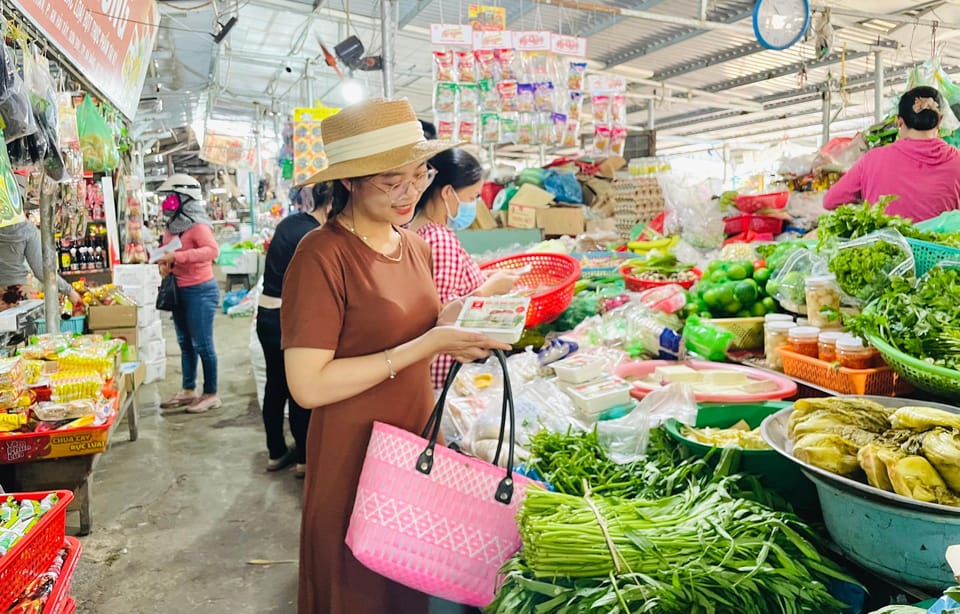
372	137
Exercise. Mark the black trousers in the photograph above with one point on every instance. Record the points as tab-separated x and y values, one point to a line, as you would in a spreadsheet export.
277	395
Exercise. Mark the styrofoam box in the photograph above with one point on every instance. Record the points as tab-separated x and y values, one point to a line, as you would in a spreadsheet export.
245	264
151	332
578	368
156	370
136	275
142	295
594	398
152	351
147	315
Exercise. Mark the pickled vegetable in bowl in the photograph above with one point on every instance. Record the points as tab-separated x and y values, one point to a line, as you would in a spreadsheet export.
740	435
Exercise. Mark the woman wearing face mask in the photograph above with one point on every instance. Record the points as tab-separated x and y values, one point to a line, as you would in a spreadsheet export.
449	204
198	292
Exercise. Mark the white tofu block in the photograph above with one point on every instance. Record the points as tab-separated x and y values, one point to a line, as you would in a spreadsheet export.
721	377
578	368
678	374
594	398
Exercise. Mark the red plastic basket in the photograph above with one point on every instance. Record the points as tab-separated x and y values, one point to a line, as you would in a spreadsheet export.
635	284
57	602
70	607
32	555
757	223
751	203
552	276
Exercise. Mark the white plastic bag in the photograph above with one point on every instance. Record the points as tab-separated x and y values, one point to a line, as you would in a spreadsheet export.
625	439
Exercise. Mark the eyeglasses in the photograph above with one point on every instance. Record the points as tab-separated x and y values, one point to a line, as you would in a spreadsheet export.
397	191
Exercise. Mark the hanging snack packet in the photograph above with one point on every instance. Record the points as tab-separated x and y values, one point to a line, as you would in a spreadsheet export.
618	109
559	121
443	65
543	96
575	76
490	123
575	106
509	101
601	139
446	126
467	130
545	132
618	140
571	135
526	129
486	63
489	96
469	93
445	98
508	127
601	109
536	65
466	67
506	69
525	97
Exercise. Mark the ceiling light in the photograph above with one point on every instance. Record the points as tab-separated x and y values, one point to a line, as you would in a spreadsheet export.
352	91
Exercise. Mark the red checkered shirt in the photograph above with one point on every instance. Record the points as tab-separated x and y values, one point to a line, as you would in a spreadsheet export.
455	275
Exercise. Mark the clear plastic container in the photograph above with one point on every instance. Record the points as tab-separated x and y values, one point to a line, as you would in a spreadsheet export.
775	337
778	317
853	353
822	292
804	340
828	345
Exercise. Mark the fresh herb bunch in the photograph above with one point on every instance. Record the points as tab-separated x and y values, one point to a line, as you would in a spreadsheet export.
854	221
862	270
923	322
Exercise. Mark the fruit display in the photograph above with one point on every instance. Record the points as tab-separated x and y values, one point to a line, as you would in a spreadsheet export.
735	289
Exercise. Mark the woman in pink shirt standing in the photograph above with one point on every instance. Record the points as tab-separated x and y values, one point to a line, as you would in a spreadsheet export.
198	293
920	169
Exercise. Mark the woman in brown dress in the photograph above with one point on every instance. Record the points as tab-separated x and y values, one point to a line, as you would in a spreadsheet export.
359	329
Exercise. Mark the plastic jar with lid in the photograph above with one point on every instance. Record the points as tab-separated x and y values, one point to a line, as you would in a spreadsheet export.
804	340
777	317
853	353
775	337
822	292
828	344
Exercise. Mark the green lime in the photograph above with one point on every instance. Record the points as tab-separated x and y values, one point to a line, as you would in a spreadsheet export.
746	291
743	313
761	275
702	305
758	310
718	277
732	307
773	286
769	304
714	266
725	294
711	298
706	315
737	271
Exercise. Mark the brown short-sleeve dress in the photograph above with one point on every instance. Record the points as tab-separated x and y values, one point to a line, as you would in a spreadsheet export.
339	294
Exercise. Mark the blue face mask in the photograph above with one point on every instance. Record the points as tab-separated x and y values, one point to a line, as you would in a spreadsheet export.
466	213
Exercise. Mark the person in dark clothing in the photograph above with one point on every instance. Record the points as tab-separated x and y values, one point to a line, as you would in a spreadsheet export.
315	204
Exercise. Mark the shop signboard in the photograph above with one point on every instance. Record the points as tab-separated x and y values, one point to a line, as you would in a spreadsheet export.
489	18
451	35
107	41
230	151
574	46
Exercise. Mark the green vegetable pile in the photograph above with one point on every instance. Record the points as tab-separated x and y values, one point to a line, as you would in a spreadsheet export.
863	271
923	322
663	535
854	221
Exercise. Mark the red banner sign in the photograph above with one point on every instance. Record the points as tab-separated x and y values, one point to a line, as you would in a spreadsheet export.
108	41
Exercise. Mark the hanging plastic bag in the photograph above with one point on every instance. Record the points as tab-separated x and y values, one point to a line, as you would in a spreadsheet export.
96	139
43	99
11	205
15	110
864	266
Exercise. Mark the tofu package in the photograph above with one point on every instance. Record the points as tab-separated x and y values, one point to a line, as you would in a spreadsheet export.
499	317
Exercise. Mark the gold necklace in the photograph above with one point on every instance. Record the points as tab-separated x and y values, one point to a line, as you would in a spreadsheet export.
352	228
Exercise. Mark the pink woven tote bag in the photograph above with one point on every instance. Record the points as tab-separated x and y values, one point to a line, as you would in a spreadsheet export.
433	519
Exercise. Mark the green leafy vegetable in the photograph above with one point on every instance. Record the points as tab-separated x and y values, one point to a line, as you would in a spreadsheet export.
854	221
862	271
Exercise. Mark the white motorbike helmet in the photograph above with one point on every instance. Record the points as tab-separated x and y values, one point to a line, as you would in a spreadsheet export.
182	184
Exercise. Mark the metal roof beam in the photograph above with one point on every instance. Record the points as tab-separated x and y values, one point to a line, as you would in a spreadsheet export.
677	35
593	25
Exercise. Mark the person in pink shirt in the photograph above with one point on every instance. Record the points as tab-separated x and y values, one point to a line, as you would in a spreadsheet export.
198	292
920	169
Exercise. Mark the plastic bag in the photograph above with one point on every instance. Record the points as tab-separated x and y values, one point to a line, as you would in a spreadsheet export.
96	139
44	144
927	74
945	222
625	439
11	204
864	266
788	285
691	210
564	187
15	110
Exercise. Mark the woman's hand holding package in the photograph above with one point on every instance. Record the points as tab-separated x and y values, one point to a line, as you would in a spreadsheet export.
464	345
500	282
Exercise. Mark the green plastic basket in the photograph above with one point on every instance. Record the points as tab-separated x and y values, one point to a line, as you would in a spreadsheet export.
73	326
940	381
927	255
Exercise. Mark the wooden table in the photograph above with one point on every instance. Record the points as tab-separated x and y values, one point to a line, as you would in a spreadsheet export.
74	472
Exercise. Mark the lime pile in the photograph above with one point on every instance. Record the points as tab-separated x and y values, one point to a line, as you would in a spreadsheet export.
732	289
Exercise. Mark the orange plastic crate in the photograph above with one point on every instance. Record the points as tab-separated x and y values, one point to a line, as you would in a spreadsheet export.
32	555
882	381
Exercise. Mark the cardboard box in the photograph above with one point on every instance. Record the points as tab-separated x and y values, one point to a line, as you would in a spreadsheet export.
561	220
525	204
485	219
156	371
105	317
136	275
131	336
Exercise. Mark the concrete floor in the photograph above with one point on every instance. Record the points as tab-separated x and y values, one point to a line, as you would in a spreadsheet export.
178	514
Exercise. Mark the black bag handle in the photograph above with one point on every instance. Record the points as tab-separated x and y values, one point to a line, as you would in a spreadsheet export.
431	431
